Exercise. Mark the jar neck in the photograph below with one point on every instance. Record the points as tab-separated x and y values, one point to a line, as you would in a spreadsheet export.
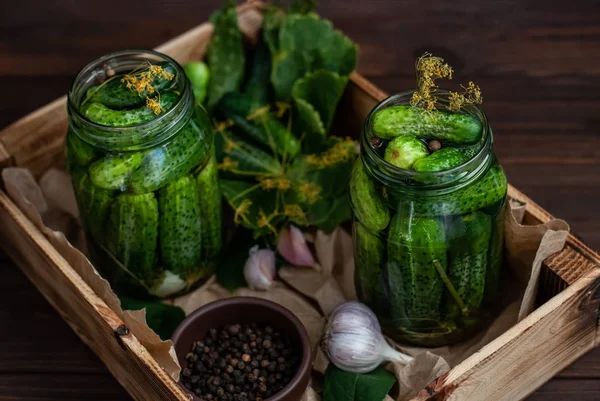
134	137
435	182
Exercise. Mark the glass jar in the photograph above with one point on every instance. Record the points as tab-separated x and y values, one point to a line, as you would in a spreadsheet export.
428	253
147	191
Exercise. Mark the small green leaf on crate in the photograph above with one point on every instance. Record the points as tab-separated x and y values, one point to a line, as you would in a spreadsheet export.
226	55
345	386
161	318
308	43
318	92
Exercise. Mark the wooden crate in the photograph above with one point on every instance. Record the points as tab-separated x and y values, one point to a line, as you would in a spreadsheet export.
561	329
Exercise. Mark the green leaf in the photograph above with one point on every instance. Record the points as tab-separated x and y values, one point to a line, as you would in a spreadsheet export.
226	58
258	85
230	271
316	97
273	19
346	386
250	202
308	43
303	6
248	160
161	318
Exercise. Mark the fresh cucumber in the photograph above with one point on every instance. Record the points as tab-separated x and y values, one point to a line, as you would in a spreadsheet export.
207	182
78	151
456	128
369	252
495	258
94	204
468	239
258	85
443	159
199	76
368	207
132	233
103	115
114	171
404	151
115	94
484	192
180	230
261	127
416	249
177	157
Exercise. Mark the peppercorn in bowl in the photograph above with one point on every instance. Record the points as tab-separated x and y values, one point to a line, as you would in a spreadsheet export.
243	349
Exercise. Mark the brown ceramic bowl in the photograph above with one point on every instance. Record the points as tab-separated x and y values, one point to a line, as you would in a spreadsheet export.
247	310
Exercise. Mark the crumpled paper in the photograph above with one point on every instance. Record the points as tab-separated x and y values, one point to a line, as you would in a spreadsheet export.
310	293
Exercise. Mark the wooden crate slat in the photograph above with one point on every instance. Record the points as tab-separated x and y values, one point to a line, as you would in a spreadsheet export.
530	353
93	321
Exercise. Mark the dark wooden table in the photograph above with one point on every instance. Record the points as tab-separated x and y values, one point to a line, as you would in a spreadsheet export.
538	63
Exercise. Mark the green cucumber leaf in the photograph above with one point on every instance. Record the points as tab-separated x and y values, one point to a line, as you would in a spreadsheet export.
248	160
346	386
161	318
273	19
316	97
303	6
307	43
226	57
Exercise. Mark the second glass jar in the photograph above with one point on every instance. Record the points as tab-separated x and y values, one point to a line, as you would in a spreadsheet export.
147	192
428	246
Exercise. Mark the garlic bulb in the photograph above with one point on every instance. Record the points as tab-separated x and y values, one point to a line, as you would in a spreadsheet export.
353	340
259	270
291	244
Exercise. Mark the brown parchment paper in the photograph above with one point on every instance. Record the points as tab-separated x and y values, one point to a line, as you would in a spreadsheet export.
310	293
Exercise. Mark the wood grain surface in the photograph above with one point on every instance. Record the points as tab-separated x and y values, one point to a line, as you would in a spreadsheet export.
537	62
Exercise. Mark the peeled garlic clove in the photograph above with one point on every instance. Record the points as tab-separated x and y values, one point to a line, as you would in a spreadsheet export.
353	340
292	245
259	270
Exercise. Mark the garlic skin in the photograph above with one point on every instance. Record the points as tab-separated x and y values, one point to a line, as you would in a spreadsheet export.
259	270
292	245
353	340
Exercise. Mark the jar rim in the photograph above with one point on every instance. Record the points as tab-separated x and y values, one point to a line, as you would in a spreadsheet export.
166	120
434	179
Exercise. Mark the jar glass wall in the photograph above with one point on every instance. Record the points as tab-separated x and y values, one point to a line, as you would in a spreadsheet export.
428	245
144	174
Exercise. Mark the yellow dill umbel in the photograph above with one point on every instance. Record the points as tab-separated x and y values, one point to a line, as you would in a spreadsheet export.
141	82
430	68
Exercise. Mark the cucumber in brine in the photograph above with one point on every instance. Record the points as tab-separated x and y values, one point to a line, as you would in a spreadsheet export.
468	240
132	234
94	204
180	226
367	204
207	182
368	275
416	250
456	128
114	171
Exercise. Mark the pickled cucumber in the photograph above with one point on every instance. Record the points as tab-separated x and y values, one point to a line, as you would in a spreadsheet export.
404	151
456	128
495	258
94	204
180	230
188	148
114	171
103	115
132	233
368	207
468	241
483	193
115	94
79	152
415	247
207	182
443	159
368	276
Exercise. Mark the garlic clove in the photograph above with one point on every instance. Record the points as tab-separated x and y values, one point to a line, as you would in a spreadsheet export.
292	245
259	270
